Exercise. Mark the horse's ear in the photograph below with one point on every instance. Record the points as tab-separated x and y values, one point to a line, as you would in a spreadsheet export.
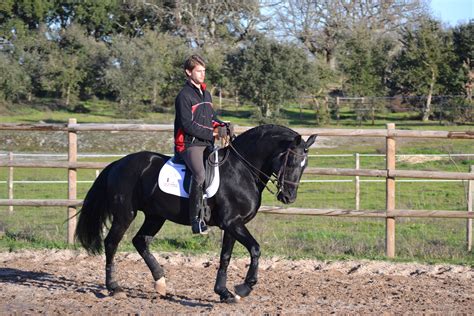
297	140
311	140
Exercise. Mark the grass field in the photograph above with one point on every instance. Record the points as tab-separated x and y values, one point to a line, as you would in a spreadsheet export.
428	240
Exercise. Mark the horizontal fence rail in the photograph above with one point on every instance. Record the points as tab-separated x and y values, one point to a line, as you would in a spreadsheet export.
315	171
239	129
390	173
371	213
168	154
282	211
301	181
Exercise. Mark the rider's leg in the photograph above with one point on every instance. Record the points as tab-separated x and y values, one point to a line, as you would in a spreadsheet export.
195	203
193	157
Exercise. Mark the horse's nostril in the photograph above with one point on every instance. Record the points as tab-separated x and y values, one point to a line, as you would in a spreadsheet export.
286	198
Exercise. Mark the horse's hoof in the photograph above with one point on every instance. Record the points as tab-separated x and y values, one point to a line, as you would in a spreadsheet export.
243	290
160	286
229	298
118	294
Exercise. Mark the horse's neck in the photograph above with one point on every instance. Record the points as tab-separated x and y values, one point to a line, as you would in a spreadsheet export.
260	158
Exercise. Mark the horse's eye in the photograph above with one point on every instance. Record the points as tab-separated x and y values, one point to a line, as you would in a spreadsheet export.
306	150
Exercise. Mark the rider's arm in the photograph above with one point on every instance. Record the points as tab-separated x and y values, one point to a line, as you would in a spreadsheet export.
216	121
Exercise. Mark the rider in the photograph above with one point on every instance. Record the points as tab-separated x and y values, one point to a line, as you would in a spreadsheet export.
194	130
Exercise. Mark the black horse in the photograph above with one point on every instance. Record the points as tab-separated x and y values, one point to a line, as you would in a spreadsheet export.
130	184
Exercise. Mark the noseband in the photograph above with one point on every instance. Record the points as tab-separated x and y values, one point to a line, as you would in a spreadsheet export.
281	173
278	180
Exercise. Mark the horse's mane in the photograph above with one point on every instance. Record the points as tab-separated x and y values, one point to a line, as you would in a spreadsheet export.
253	135
267	128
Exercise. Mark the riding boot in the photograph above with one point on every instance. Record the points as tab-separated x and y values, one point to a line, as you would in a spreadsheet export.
195	204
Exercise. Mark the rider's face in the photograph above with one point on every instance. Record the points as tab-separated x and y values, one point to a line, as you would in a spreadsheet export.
197	75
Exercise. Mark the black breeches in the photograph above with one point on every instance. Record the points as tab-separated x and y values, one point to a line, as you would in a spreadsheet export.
193	157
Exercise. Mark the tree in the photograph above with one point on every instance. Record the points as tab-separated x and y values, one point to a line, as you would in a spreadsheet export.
143	69
67	62
268	73
215	73
124	76
94	63
322	25
14	81
163	57
103	19
211	22
199	22
20	14
463	41
97	17
426	49
31	52
365	62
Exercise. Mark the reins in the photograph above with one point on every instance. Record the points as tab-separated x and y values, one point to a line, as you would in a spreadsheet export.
211	163
279	180
255	171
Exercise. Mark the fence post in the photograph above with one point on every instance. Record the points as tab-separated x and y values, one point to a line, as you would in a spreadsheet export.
72	183
470	193
390	194
10	182
357	183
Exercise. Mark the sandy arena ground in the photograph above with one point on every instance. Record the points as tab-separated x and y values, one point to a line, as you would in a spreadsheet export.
71	282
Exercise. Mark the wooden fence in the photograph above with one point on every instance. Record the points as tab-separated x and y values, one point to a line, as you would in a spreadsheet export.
390	173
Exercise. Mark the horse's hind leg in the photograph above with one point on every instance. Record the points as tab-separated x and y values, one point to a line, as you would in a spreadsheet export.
118	228
142	240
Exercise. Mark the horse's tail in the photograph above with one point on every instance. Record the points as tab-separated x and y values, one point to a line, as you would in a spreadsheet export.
94	214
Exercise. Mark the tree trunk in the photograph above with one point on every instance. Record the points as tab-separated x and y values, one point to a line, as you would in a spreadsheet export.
427	109
317	110
276	109
470	78
154	96
267	112
220	98
68	94
331	59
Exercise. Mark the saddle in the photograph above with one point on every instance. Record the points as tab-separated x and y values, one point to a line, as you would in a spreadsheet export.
175	178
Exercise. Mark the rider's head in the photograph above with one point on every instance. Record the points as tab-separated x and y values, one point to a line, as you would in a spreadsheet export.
195	69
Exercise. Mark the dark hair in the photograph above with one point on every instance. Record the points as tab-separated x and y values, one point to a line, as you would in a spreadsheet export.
192	61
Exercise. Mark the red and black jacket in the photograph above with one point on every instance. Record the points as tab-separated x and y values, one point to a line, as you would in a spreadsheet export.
195	118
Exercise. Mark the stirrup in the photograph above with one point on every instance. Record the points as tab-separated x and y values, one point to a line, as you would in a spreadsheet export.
201	227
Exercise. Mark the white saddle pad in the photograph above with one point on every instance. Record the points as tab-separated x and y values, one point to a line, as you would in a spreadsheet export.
171	180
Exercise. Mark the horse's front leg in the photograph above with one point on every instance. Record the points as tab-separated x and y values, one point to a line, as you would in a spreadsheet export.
241	233
220	287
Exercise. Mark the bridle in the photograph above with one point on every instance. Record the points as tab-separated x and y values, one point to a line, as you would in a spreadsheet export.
278	179
281	173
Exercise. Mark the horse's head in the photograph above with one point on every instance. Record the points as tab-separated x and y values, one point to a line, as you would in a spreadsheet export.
289	166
